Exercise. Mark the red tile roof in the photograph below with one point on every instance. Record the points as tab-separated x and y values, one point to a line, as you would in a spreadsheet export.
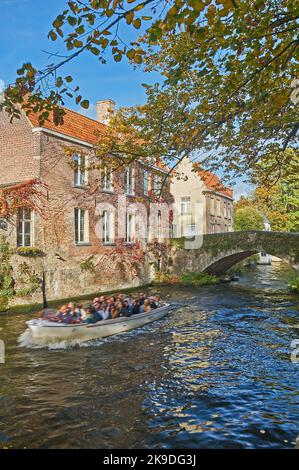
75	125
213	183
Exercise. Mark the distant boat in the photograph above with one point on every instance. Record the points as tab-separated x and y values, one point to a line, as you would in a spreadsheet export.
264	258
47	331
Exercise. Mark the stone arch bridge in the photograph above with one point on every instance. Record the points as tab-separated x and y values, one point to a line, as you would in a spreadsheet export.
221	251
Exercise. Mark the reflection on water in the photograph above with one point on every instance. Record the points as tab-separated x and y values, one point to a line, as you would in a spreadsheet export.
216	373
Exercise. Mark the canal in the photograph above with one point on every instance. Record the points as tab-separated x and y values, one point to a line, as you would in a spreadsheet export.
216	373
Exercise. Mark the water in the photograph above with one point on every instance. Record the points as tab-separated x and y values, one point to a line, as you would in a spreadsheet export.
214	374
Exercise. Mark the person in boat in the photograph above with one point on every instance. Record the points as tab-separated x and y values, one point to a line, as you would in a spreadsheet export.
89	315
113	311
153	303
147	306
122	309
142	298
130	300
63	315
75	312
101	311
47	314
135	307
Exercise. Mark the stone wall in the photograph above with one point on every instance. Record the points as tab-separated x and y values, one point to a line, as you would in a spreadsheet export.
221	251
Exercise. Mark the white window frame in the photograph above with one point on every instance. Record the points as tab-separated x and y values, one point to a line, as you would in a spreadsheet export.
106	180
174	230
78	229
108	227
130	227
21	235
80	176
157	183
130	181
146	182
190	230
159	226
186	207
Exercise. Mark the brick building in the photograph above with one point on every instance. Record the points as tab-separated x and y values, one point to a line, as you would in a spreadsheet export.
78	235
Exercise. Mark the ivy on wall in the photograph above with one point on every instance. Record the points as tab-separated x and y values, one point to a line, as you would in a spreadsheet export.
21	283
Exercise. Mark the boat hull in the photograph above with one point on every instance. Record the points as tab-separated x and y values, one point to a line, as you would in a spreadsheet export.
52	332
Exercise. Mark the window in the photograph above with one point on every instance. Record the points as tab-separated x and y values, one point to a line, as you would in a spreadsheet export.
173	231
185	205
159	232
80	172
146	183
157	184
81	226
218	207
3	224
25	227
190	230
129	181
130	228
108	229
225	211
106	180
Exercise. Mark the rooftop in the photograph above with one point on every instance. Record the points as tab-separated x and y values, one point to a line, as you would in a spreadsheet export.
213	183
74	125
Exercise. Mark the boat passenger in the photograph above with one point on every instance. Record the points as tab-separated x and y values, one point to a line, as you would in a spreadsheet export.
147	306
135	307
113	311
122	309
153	303
101	311
89	315
74	312
142	298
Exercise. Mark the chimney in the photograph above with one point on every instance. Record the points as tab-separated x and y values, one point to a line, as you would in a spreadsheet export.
105	110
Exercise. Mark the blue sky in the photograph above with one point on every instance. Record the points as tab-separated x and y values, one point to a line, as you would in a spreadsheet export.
23	37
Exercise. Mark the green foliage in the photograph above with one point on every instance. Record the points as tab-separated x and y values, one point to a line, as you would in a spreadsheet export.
188	279
29	251
279	200
294	284
198	279
87	264
6	278
166	278
29	279
248	218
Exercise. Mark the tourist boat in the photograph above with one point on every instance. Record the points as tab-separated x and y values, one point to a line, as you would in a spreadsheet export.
47	331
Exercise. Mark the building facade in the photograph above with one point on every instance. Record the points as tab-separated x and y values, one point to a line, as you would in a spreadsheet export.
95	232
203	204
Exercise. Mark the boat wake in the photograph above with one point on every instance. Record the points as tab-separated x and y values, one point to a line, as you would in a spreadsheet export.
26	340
